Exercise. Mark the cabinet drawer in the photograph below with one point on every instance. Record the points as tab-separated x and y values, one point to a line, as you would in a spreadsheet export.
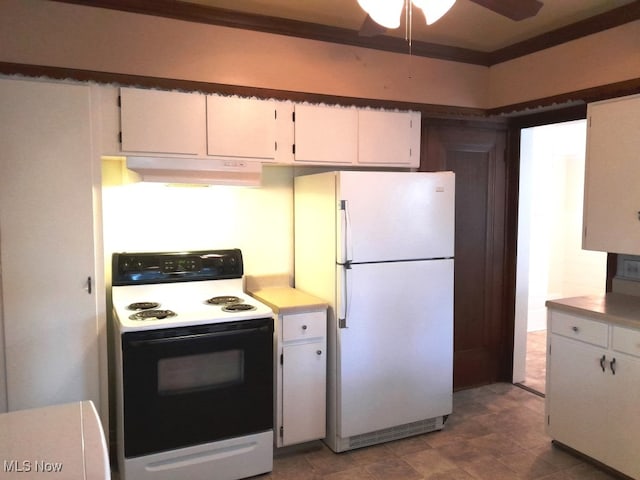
579	328
626	340
299	326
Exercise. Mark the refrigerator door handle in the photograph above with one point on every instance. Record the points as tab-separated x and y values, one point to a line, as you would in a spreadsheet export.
342	317
344	239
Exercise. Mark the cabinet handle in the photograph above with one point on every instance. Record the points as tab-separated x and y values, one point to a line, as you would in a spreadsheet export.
304	327
575	329
318	352
89	286
602	361
612	365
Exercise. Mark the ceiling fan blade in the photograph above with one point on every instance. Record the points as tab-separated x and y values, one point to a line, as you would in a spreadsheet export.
514	9
370	28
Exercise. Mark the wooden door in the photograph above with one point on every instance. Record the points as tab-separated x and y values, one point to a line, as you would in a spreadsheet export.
483	347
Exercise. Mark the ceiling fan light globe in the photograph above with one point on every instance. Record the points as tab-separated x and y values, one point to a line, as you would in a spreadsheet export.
434	9
384	12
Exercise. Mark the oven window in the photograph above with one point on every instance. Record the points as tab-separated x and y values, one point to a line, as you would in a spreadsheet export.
190	373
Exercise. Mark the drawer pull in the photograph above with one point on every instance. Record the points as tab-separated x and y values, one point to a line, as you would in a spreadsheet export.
602	361
612	365
304	327
319	352
575	329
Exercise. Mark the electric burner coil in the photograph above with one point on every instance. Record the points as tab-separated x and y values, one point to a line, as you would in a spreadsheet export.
153	315
143	306
224	300
238	307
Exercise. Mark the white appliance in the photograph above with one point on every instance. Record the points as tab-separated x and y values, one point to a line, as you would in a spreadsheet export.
379	247
194	368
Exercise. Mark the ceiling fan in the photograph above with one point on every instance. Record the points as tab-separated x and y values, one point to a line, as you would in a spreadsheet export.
513	9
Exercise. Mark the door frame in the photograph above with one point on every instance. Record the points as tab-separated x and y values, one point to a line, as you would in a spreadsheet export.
514	134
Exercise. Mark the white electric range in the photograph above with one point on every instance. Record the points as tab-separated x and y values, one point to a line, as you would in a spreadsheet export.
194	372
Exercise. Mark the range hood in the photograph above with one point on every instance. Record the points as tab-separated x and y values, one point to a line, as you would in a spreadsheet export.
212	171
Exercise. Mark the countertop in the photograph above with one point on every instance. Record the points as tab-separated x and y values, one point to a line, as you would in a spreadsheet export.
615	308
66	440
288	300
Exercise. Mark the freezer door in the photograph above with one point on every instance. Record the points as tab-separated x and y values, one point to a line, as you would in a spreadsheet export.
395	215
395	356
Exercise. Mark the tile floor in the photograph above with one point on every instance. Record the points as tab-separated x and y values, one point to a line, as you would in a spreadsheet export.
495	432
536	362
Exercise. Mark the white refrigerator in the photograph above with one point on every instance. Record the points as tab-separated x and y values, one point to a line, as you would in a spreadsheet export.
379	247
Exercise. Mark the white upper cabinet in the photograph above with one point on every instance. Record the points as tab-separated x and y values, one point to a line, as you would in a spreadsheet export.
169	123
161	122
241	127
388	138
612	192
325	134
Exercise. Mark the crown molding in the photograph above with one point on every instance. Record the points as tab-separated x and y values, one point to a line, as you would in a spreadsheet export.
498	114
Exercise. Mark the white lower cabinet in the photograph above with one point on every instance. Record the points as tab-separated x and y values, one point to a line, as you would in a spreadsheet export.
593	387
301	377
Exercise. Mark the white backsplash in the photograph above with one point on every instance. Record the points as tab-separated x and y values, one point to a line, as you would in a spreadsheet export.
148	217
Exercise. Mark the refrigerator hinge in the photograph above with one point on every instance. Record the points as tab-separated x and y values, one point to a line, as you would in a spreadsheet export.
342	323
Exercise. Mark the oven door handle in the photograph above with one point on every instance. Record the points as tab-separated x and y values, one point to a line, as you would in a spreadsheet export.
196	336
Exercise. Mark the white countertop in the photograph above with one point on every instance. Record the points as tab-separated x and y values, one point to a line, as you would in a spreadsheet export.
615	308
60	441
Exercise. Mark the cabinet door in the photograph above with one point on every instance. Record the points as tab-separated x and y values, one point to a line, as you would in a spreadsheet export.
241	127
161	122
621	410
47	253
303	392
326	134
578	396
612	196
384	138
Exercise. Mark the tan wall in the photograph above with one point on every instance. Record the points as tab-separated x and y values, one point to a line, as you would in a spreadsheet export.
606	57
54	34
62	35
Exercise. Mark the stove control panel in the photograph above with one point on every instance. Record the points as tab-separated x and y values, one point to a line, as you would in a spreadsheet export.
167	267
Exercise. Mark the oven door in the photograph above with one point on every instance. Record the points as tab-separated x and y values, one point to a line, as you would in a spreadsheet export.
192	385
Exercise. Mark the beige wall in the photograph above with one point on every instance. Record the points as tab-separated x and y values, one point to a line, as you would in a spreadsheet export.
54	34
606	57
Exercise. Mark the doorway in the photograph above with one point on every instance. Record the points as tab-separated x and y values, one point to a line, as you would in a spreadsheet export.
550	262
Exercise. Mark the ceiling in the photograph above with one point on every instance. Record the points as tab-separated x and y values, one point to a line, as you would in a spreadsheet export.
467	25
